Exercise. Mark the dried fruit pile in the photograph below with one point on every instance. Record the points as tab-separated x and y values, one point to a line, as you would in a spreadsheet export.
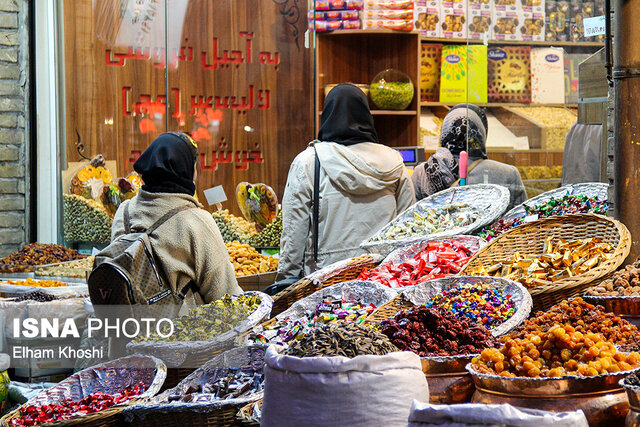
37	283
345	339
210	320
438	259
328	312
41	254
432	332
559	260
553	207
556	352
625	282
37	296
478	303
585	318
76	269
67	409
248	261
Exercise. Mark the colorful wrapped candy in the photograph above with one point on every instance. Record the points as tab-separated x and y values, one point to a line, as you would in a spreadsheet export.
480	304
438	259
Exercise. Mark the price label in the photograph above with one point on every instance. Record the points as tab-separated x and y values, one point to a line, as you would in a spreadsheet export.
594	26
530	218
215	195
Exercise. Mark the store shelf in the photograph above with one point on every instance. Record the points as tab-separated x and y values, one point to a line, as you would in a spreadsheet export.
516	43
389	113
346	32
496	104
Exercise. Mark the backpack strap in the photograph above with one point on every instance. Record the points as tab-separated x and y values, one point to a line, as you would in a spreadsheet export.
165	217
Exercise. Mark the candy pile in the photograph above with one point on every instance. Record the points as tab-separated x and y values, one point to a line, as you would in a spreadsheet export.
432	220
559	260
233	228
557	352
37	296
625	282
224	383
37	283
66	409
210	320
328	312
344	339
76	269
478	303
553	207
432	332
585	318
438	259
248	261
40	254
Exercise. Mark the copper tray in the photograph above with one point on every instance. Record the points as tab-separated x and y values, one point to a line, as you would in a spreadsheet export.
600	397
448	380
633	394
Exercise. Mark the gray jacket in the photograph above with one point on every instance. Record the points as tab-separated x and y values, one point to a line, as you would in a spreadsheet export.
362	188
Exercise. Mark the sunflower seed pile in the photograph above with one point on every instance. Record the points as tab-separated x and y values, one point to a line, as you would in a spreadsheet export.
346	339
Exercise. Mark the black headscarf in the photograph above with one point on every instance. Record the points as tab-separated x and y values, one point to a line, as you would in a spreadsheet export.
478	110
455	138
167	164
346	118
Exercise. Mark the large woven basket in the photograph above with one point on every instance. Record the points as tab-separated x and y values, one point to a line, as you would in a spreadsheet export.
488	200
157	412
589	189
530	239
108	377
341	271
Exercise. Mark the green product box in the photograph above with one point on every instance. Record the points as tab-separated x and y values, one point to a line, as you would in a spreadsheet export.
463	66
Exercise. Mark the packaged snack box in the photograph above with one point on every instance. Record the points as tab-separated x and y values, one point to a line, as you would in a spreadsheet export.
509	76
462	65
430	60
547	76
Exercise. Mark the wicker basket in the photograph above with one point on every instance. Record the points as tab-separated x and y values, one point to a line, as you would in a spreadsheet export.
107	377
339	272
220	413
244	414
530	239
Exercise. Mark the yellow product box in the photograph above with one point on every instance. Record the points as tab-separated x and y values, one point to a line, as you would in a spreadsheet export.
461	66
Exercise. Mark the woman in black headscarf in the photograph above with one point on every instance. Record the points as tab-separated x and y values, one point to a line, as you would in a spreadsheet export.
360	185
188	247
464	128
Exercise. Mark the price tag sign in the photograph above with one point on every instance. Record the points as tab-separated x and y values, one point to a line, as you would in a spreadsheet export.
531	218
594	26
215	195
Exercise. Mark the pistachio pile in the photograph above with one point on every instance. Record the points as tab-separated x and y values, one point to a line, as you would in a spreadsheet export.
85	220
270	236
233	228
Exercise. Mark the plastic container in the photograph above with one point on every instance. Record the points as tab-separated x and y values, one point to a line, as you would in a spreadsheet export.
391	90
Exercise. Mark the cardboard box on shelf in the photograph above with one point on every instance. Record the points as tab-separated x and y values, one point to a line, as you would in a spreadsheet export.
507	19
454	4
571	62
509	74
547	75
387	14
530	7
533	28
579	11
334	15
427	17
322	26
454	23
388	4
388	24
462	67
480	19
562	20
430	62
338	4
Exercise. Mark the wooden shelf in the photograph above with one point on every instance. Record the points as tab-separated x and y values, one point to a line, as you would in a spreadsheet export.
389	113
496	104
507	42
346	32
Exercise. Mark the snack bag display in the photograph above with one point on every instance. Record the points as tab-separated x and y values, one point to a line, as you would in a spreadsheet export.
258	203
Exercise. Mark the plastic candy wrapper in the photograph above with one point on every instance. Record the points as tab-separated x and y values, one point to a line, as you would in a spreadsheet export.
258	203
113	195
90	180
334	15
338	4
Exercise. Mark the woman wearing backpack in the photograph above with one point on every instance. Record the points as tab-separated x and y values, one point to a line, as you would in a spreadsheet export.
187	247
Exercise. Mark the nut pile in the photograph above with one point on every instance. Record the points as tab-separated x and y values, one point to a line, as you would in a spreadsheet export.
559	260
37	296
556	121
557	352
432	220
37	283
625	282
432	332
391	95
209	320
85	220
269	237
248	261
233	228
41	254
345	339
632	380
75	269
585	318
